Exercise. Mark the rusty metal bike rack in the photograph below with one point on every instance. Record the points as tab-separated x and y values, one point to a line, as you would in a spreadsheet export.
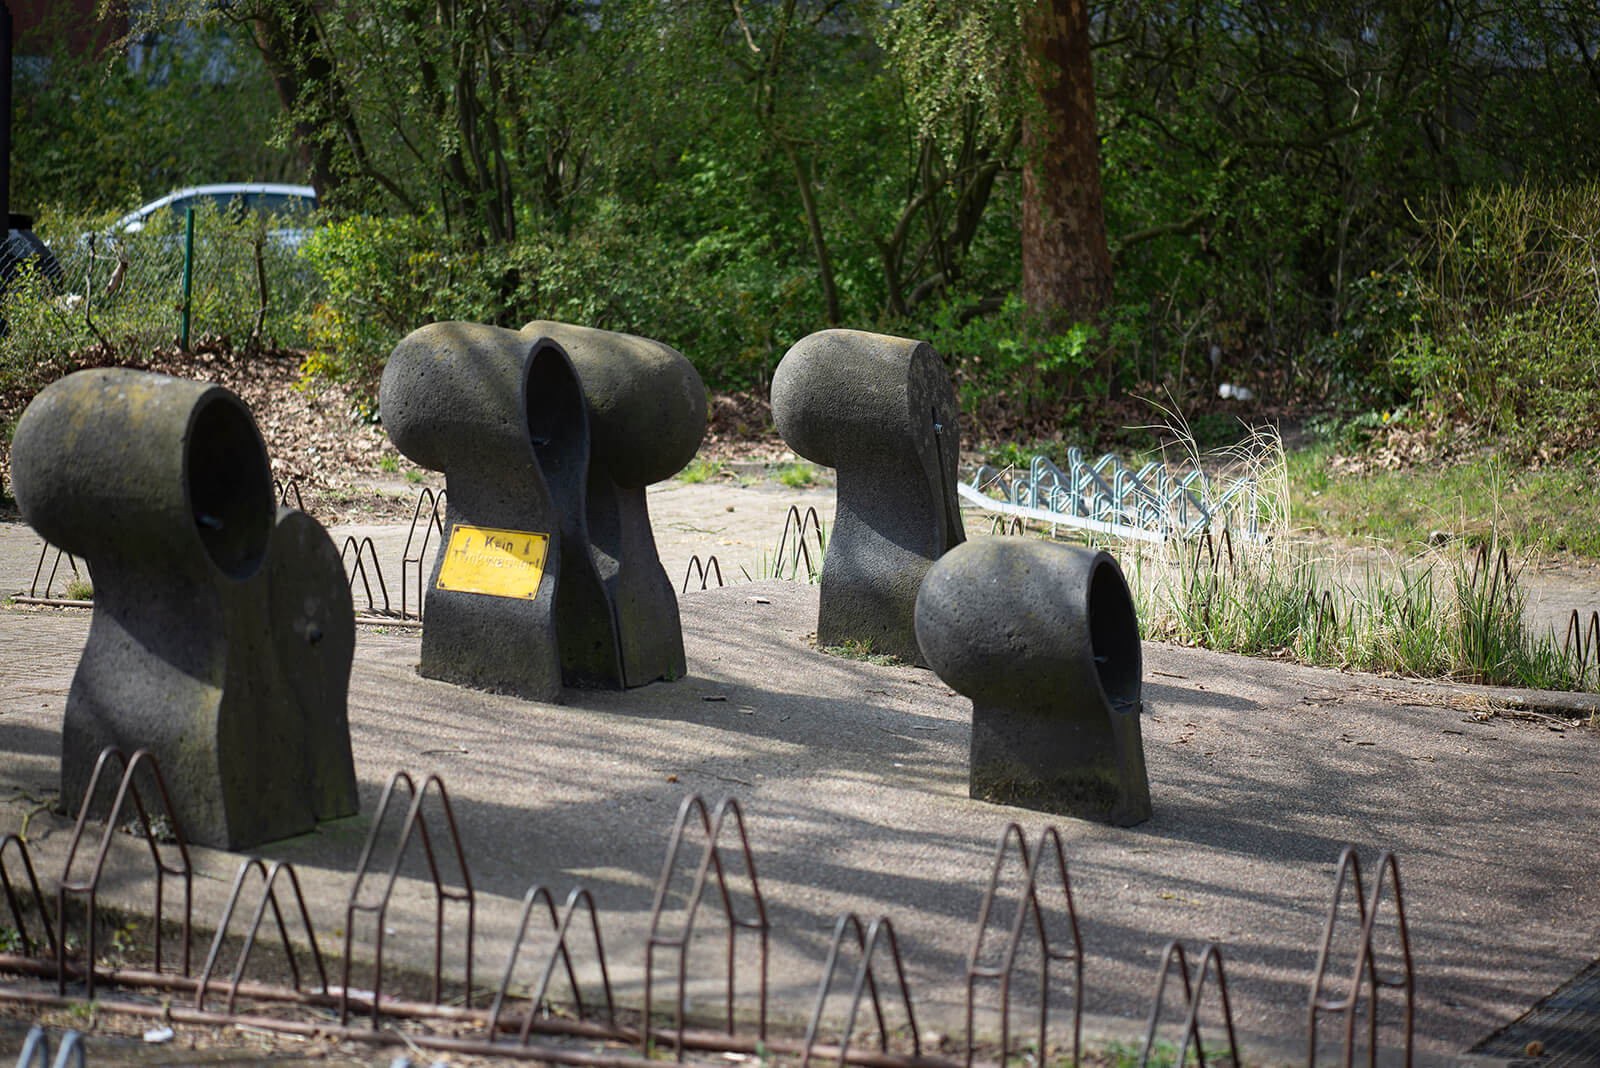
704	570
710	862
365	550
1193	995
1217	551
283	487
34	596
1365	972
1027	907
579	897
880	932
1001	525
799	524
1581	644
18	846
269	897
435	520
500	1030
415	822
131	766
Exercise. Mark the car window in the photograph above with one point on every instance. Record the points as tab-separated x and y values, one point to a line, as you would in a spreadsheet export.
281	204
234	205
230	204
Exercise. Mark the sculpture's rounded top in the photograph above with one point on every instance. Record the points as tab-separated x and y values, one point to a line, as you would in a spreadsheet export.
455	393
144	468
647	404
1018	622
839	394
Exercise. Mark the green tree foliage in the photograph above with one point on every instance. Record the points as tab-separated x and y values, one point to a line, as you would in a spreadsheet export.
728	176
763	155
1024	67
1263	159
97	133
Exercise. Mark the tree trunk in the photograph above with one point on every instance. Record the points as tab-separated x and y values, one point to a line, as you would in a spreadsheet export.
819	243
1066	264
295	60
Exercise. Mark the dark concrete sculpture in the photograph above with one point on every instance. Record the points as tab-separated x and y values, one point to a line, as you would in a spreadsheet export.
222	633
647	416
510	606
1043	637
881	412
313	627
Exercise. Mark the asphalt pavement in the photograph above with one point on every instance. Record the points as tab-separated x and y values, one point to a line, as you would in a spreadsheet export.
852	778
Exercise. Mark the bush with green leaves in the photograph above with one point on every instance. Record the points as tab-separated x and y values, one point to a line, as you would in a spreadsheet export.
1507	329
40	336
381	277
1013	361
731	314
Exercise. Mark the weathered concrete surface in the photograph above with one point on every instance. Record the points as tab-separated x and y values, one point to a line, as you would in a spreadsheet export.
854	778
881	411
222	635
503	417
647	415
314	638
1043	638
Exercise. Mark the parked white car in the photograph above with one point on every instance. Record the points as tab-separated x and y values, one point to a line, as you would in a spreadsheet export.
237	199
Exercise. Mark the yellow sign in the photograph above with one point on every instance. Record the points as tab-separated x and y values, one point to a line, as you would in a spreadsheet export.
501	563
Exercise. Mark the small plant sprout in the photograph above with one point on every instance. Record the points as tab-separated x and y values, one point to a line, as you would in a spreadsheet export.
797	475
854	649
700	470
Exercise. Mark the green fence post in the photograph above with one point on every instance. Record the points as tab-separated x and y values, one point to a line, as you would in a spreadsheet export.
188	276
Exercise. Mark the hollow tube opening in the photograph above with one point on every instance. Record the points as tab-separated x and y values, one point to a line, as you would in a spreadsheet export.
229	486
557	419
1114	634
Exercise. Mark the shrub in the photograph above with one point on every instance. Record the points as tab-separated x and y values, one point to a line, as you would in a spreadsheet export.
380	277
1012	361
732	316
1508	327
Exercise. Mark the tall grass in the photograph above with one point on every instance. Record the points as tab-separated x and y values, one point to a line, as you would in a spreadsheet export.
1455	612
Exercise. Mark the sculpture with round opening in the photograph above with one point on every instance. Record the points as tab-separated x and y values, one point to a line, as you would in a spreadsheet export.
1044	639
217	644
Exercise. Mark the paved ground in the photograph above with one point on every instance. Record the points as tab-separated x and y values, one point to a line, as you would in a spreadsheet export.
854	782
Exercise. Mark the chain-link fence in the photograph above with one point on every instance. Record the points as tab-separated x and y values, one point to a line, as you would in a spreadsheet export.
81	284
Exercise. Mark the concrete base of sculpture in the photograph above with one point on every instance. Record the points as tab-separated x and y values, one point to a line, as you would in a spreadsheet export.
881	411
222	633
1044	639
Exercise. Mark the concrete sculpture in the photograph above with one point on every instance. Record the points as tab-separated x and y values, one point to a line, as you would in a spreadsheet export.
514	604
1043	637
881	411
647	415
223	631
